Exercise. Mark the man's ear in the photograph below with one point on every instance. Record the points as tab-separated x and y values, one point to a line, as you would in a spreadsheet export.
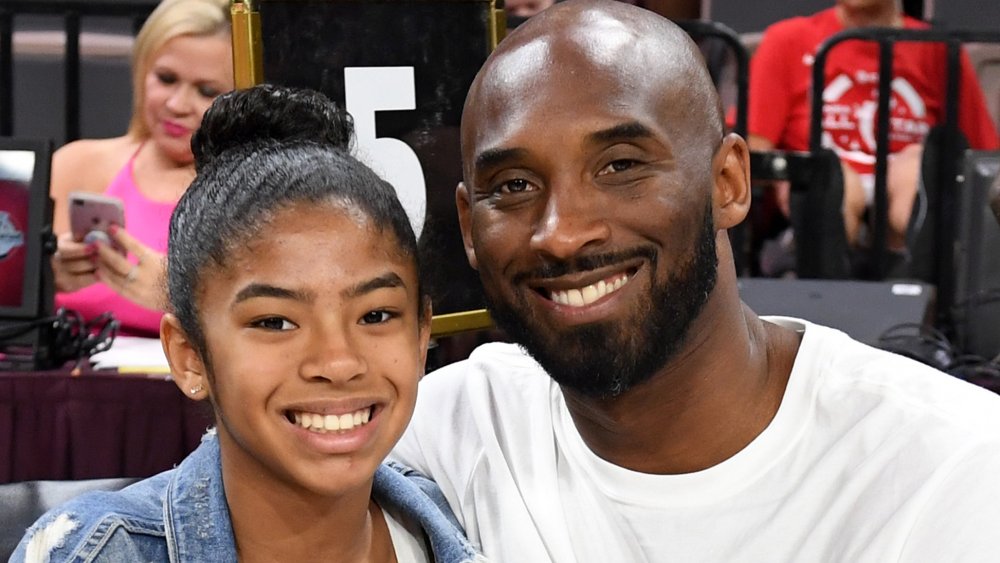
186	365
464	205
731	172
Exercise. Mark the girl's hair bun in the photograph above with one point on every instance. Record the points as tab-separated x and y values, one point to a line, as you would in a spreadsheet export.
269	114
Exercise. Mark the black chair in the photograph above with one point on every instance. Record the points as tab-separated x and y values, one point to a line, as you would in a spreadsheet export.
25	502
821	249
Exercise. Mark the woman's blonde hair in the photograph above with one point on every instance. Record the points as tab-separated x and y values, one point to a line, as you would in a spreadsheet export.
172	18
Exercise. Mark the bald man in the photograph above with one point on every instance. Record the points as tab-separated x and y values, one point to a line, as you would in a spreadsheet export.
648	415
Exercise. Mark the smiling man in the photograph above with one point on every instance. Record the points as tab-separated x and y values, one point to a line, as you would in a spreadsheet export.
648	415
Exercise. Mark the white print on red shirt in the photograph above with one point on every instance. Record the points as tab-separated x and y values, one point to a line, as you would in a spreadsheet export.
849	117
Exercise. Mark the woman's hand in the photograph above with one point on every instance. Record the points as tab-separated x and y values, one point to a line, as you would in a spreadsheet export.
74	264
140	283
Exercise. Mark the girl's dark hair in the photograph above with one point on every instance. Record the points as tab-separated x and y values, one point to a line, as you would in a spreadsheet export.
259	151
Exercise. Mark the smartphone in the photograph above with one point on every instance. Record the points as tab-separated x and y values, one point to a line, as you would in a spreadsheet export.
91	215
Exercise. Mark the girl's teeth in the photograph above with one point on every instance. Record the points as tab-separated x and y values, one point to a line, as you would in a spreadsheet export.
331	422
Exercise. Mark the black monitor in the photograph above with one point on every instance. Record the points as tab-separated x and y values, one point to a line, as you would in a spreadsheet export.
26	288
977	257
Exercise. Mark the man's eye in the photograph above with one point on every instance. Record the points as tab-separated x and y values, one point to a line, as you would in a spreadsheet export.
376	317
273	323
514	186
617	166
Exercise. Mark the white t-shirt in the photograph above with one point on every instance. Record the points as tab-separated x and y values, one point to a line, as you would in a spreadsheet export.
870	457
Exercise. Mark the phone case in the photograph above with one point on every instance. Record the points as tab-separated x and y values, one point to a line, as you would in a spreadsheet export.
91	215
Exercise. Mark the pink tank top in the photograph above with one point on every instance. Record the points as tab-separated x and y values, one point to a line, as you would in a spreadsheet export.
145	220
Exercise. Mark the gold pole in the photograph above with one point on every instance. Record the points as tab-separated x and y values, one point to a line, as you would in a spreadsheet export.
248	60
453	323
498	24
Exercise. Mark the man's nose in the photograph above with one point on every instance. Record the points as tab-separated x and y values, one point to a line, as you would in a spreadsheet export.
572	221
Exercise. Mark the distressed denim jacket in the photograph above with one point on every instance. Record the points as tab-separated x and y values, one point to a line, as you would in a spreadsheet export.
181	515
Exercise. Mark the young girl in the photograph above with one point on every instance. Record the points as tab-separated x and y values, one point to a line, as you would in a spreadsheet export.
298	313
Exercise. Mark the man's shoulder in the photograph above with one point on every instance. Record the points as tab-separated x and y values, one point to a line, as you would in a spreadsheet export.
849	368
478	392
496	365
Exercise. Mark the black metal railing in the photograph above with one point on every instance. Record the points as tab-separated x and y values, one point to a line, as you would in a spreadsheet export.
698	29
947	171
72	11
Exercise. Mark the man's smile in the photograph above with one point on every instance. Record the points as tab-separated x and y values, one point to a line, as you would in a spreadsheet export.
587	294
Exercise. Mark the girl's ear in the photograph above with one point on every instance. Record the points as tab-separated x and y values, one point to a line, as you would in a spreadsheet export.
186	364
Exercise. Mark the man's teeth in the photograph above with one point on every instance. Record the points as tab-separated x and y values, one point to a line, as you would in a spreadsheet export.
590	293
332	422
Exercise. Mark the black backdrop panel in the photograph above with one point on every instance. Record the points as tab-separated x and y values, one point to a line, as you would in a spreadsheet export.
311	43
977	258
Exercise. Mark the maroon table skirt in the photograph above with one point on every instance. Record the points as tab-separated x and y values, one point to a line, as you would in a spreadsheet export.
96	425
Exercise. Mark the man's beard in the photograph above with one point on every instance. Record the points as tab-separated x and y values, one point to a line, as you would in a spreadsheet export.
607	359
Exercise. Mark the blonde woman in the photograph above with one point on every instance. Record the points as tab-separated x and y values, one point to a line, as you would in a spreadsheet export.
181	61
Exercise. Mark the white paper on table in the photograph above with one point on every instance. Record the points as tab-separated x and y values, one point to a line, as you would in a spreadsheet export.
132	354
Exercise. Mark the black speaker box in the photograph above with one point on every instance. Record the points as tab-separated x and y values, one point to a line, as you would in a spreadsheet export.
864	310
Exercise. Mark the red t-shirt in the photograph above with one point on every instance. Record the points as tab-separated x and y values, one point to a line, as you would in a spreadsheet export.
780	86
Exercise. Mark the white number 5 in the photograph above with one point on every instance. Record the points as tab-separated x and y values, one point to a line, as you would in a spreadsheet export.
371	89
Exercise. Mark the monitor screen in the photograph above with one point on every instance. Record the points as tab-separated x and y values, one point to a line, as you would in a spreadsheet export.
25	214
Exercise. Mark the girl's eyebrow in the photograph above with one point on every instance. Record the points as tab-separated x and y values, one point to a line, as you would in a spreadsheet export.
253	290
386	280
265	290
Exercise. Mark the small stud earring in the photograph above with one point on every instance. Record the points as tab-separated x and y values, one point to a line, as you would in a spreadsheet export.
196	389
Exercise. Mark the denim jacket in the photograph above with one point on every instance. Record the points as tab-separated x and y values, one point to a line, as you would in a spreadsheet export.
181	515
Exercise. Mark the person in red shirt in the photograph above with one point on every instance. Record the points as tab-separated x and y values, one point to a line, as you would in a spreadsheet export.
779	115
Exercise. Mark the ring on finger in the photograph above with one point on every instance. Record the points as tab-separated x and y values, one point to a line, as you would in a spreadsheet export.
130	276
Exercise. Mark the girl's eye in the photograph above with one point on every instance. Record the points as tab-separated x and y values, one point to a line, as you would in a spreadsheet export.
273	323
617	166
376	317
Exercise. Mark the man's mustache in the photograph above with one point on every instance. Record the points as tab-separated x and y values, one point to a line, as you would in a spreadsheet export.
557	268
